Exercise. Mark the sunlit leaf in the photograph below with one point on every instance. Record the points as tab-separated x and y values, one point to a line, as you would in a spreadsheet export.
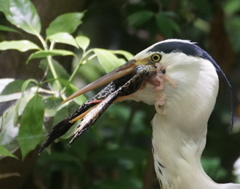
5	28
5	152
9	130
231	6
65	23
30	131
139	18
9	123
45	53
24	15
4	83
9	97
5	6
65	38
202	24
107	59
126	54
83	42
20	45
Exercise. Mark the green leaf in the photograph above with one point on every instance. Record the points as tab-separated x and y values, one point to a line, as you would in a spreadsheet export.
5	28
5	6
80	99
166	25
5	152
62	37
70	89
108	60
134	154
52	104
118	183
9	123
30	131
12	91
231	7
83	42
20	45
62	113
4	83
45	53
26	84
65	23
61	73
10	97
212	166
139	18
126	54
23	15
60	70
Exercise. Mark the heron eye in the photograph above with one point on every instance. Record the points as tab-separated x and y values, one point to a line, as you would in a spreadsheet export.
156	57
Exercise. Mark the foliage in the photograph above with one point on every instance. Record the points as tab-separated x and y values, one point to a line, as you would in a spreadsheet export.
114	153
43	97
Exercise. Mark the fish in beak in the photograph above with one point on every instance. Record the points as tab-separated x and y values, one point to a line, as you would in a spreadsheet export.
123	81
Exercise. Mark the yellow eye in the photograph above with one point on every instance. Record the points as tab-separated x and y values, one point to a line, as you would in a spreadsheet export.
156	57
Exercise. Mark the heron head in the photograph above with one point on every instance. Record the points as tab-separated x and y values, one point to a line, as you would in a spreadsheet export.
176	76
168	73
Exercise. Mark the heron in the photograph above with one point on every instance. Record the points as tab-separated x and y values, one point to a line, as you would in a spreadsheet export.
181	81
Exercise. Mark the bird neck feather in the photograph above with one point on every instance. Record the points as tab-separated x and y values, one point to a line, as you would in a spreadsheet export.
177	160
179	135
177	164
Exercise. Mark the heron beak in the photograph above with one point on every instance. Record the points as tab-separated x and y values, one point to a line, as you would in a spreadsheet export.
119	72
123	81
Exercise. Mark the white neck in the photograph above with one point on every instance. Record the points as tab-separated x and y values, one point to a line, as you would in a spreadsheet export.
177	160
179	135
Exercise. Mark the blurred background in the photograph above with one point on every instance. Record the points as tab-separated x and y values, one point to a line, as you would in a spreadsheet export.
116	152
